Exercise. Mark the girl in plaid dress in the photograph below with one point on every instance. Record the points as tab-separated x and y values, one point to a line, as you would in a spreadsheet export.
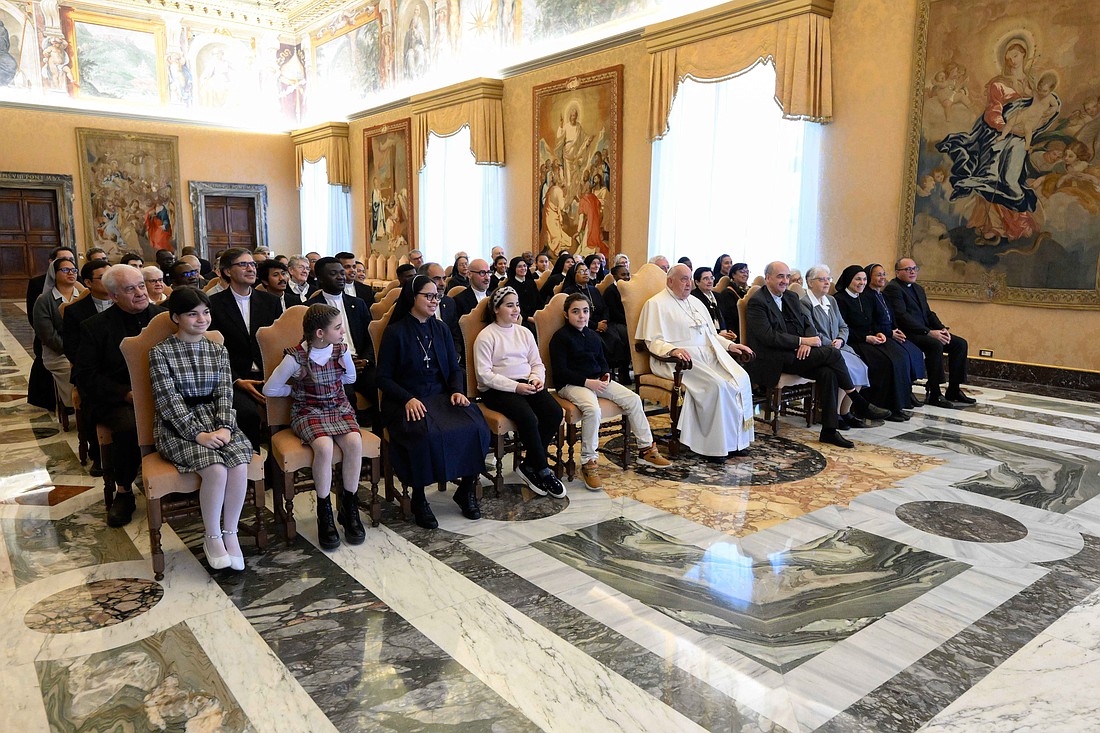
314	374
195	426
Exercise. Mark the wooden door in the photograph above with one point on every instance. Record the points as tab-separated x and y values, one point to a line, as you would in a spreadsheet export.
230	222
29	229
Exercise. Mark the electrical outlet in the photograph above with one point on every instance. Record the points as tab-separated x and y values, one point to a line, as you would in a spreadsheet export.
986	352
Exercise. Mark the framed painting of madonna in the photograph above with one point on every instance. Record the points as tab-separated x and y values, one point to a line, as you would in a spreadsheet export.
1002	194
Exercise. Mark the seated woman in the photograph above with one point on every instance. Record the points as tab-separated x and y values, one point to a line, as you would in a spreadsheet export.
525	287
499	272
888	325
597	267
195	426
723	267
887	363
459	273
436	435
561	268
737	289
511	378
704	291
824	313
154	284
46	320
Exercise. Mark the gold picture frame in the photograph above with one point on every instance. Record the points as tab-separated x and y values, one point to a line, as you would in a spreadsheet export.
991	215
388	178
141	43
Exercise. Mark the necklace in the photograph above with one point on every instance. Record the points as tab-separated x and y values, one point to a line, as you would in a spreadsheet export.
426	350
696	323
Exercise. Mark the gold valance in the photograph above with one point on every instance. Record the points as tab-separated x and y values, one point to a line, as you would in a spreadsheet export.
328	141
720	42
477	103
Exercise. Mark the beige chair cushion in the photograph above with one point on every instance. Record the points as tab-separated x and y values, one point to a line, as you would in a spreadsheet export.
291	455
498	423
161	478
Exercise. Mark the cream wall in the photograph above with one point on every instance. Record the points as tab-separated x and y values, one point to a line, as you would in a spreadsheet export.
45	142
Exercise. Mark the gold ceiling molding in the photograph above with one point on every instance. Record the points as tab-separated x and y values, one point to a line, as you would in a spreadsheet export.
329	141
477	103
729	18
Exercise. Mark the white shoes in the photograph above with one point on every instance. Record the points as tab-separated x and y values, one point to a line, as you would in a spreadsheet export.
236	562
216	562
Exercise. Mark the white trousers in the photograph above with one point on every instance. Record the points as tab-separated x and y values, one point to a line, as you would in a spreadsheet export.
587	402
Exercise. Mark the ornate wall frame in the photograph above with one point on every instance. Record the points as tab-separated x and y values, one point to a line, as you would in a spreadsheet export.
398	172
991	285
199	190
61	184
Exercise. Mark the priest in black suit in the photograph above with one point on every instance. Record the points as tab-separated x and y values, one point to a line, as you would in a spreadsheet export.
785	340
101	375
923	327
238	312
96	301
352	286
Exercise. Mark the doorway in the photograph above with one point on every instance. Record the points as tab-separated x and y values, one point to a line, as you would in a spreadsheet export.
230	222
29	229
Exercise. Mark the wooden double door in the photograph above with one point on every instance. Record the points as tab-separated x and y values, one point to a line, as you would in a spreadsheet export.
29	229
230	222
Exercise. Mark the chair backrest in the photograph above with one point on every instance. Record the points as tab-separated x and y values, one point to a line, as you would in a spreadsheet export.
377	327
558	287
391	285
212	284
471	325
284	333
372	266
167	290
384	303
83	294
742	309
403	260
796	289
391	268
642	285
758	280
603	284
548	320
456	290
722	284
135	350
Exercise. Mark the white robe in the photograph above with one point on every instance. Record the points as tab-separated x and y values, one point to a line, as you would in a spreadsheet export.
716	417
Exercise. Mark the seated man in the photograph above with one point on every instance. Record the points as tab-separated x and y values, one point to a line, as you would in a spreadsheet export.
785	340
184	274
352	287
405	273
274	277
416	258
104	380
924	328
98	300
205	268
716	417
479	277
238	312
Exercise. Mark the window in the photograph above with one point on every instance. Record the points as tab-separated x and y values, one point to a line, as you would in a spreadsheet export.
326	212
732	176
461	202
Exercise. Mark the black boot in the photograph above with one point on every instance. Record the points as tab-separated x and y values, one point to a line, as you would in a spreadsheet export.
122	509
466	498
326	528
422	511
865	409
348	516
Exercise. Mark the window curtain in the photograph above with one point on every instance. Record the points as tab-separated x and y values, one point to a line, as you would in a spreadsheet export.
328	141
326	211
475	104
732	176
461	202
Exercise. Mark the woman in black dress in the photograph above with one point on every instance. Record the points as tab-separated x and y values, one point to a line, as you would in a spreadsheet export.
436	435
459	273
499	272
562	267
520	280
723	267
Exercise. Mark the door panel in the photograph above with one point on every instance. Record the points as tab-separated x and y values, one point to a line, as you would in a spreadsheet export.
230	222
29	229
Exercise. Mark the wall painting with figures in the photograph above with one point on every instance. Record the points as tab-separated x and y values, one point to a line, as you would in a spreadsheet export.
1002	197
130	187
388	166
577	154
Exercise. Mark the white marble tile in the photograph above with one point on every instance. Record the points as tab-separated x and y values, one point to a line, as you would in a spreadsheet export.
1081	625
13	348
24	709
252	672
1046	686
991	421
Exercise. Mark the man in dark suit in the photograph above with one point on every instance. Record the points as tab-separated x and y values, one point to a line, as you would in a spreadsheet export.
351	286
101	374
479	276
785	340
273	277
356	314
97	301
238	312
923	327
448	308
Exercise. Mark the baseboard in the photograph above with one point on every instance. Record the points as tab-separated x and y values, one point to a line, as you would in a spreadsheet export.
1050	376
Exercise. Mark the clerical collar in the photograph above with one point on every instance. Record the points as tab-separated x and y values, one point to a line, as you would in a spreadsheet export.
850	293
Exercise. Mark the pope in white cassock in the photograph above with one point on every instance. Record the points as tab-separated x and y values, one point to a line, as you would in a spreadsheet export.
716	418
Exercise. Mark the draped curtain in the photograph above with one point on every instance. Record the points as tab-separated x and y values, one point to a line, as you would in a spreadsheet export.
328	142
476	105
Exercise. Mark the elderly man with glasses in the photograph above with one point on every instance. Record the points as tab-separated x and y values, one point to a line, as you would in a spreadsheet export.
924	328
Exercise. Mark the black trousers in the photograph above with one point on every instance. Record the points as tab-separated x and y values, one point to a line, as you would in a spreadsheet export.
88	433
125	455
956	351
824	365
537	418
248	417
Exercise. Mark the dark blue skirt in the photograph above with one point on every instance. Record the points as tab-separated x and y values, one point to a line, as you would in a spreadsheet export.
449	443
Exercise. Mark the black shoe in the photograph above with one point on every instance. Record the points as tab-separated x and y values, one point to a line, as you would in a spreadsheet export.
327	535
956	395
466	498
831	436
348	516
422	511
866	410
936	400
917	401
844	422
895	417
122	509
554	489
532	479
96	470
738	453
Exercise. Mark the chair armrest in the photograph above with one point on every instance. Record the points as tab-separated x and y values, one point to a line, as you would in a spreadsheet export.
743	358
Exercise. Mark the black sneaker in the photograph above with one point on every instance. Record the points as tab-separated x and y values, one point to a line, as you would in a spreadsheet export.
532	479
122	509
554	489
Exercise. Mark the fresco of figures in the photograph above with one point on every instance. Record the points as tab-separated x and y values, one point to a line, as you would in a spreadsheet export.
1005	186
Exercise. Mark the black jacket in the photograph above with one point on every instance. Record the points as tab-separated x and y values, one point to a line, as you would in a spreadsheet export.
241	343
75	315
774	335
100	371
576	356
911	309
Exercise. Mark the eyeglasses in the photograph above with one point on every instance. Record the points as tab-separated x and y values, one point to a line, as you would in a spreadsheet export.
908	269
187	273
823	279
431	297
245	265
68	270
156	280
479	272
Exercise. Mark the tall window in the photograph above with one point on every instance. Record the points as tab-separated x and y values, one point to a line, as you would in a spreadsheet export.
732	176
326	212
461	202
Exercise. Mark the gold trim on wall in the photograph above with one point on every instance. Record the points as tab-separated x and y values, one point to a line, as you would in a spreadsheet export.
329	141
151	27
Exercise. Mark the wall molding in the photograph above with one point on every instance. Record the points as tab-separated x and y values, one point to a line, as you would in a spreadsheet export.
199	190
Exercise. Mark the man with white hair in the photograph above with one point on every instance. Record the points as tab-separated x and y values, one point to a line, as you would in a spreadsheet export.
659	260
416	258
716	417
104	381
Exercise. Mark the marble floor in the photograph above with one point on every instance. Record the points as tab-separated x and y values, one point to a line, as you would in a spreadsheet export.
943	576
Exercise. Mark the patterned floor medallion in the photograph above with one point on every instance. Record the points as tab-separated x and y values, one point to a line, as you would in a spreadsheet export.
95	605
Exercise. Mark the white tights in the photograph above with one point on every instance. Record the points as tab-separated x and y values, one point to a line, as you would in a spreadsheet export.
221	497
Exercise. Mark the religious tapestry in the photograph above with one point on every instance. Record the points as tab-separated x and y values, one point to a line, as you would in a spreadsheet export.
387	150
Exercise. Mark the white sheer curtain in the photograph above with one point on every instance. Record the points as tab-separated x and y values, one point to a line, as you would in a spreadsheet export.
326	212
732	176
461	202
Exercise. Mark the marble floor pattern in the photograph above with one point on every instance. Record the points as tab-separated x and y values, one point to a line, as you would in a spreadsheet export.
942	576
